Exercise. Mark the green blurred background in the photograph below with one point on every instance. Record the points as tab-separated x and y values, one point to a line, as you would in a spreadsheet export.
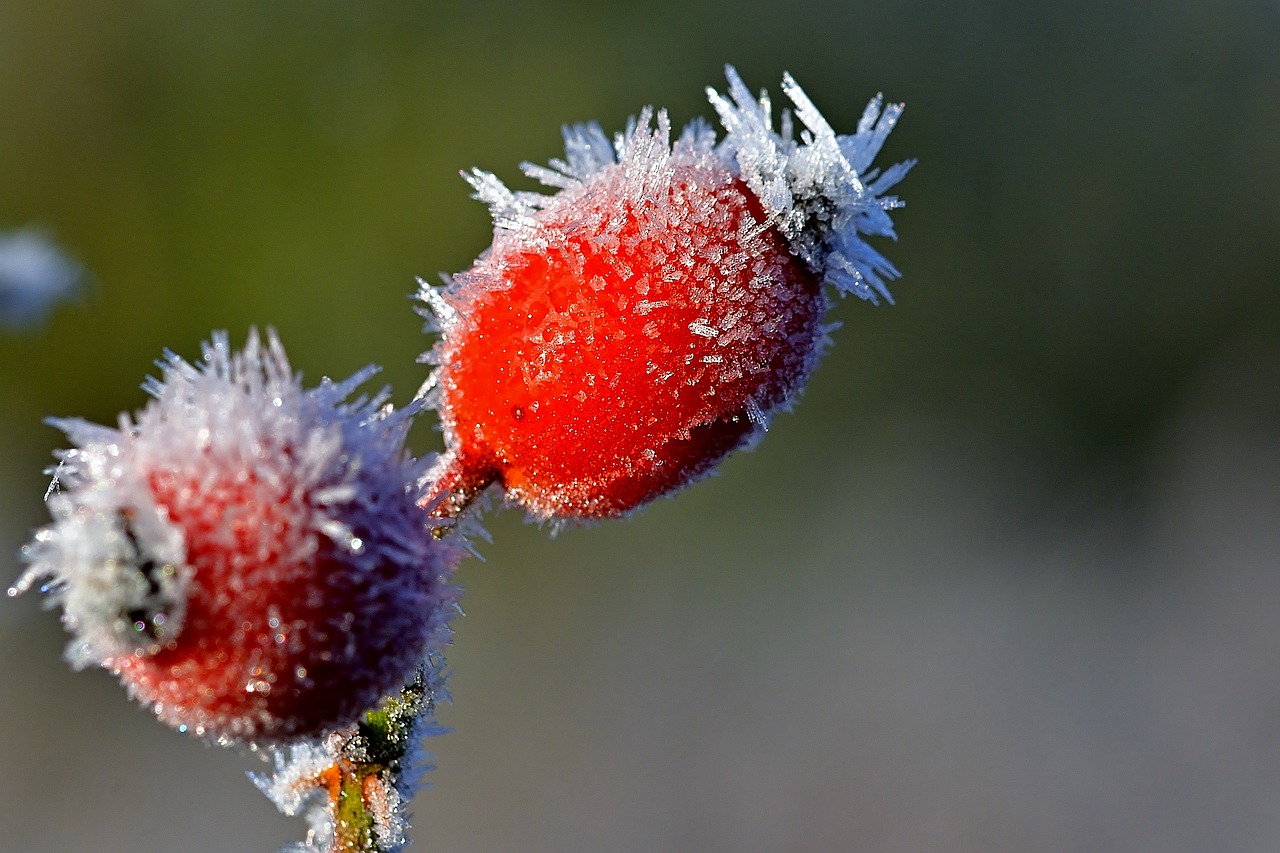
1006	580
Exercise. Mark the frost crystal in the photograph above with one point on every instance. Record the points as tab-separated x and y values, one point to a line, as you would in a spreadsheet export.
247	555
34	276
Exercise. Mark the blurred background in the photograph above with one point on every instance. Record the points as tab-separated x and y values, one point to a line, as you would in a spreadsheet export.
1008	579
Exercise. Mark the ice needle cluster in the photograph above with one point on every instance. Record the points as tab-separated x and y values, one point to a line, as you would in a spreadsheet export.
820	191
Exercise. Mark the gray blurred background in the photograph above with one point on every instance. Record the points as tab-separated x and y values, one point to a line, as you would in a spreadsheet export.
1007	580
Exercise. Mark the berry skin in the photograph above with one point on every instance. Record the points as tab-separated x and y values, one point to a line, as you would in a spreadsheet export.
625	334
248	556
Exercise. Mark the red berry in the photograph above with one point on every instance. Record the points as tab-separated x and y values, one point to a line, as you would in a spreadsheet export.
249	557
626	341
622	336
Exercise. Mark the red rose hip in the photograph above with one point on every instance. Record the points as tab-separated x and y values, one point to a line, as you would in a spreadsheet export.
623	335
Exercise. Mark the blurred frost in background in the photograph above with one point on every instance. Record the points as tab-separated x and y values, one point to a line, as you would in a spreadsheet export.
34	277
1007	578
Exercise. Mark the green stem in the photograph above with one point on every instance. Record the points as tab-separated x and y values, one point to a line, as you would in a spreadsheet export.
370	761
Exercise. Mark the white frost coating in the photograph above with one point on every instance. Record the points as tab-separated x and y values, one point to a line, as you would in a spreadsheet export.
820	191
34	276
116	563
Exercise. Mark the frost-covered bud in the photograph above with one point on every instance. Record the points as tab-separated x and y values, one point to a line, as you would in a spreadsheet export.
624	334
249	557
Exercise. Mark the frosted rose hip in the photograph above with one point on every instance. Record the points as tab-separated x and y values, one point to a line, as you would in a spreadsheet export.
623	335
247	556
634	349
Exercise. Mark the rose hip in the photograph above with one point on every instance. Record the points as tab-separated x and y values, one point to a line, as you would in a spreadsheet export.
623	335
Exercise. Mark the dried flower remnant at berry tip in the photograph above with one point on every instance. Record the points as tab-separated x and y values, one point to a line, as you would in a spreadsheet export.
624	334
247	556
